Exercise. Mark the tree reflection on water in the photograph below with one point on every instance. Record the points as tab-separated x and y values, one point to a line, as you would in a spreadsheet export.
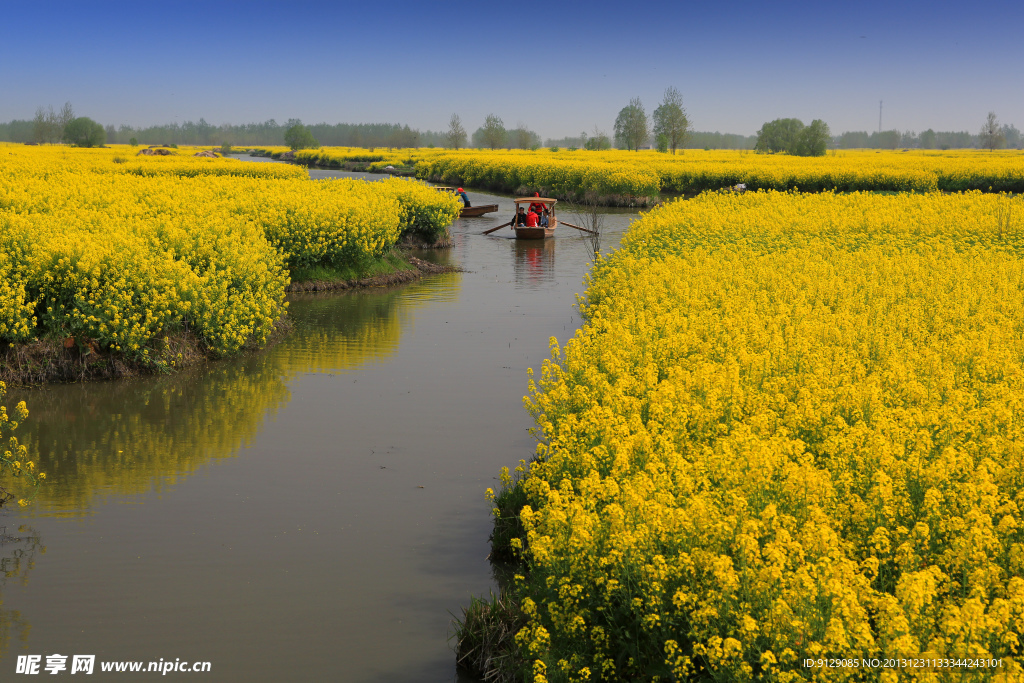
128	437
17	558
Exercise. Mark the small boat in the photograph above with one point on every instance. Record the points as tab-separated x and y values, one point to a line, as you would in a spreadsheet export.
468	211
539	232
478	210
536	233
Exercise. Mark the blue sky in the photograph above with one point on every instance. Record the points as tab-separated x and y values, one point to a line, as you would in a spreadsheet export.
560	68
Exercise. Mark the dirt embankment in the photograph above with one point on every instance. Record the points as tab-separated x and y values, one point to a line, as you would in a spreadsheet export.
77	360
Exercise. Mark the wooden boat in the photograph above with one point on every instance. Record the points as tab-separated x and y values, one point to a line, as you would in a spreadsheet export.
478	210
537	233
468	211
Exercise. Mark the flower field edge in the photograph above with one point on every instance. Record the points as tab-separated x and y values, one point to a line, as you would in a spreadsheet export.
788	431
114	252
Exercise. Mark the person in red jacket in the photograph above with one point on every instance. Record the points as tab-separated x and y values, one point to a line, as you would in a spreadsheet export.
537	207
531	219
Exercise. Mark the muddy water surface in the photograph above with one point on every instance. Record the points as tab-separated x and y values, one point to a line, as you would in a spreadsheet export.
312	512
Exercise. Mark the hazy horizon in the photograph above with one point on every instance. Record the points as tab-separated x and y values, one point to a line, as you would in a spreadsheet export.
558	70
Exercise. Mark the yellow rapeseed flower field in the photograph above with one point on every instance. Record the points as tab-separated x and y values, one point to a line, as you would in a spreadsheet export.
789	429
97	244
624	177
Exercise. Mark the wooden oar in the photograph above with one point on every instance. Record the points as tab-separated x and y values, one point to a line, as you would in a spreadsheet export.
561	222
503	225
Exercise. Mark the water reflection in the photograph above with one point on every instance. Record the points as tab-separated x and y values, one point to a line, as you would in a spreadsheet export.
534	262
129	437
17	558
336	332
132	436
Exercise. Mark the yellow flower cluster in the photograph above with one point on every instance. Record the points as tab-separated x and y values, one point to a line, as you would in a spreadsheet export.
15	457
344	221
188	167
868	170
790	428
560	175
626	176
126	159
95	250
266	150
423	210
339	221
336	156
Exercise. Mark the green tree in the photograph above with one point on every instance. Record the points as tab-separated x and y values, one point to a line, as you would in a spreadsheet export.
927	139
991	135
456	135
1011	135
522	137
670	120
780	135
403	137
886	139
48	125
854	139
631	129
493	133
300	137
65	116
661	142
84	132
597	141
814	139
792	137
41	126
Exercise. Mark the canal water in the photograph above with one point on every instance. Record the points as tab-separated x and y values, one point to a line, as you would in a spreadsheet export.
311	512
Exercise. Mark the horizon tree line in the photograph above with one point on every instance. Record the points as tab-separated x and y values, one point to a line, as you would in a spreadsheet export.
667	129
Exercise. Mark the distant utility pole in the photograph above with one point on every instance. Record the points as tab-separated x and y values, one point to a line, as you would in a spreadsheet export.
879	116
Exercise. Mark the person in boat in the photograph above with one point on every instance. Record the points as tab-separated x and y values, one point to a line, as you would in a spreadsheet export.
537	207
520	218
465	199
531	219
545	221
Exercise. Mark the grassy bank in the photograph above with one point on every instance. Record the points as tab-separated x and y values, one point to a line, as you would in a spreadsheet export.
391	269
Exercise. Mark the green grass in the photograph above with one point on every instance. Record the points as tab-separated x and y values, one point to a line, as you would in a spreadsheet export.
390	263
507	524
485	646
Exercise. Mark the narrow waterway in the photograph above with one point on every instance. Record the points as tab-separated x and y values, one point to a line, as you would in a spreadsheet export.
312	512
